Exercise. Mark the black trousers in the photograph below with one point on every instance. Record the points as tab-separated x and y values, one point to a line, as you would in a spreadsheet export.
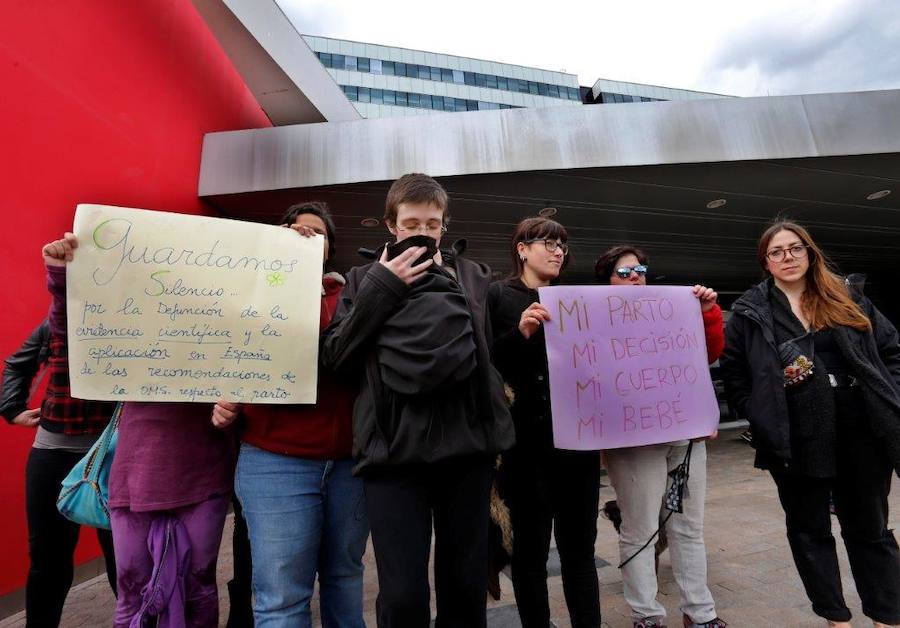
402	501
860	492
556	490
52	538
240	606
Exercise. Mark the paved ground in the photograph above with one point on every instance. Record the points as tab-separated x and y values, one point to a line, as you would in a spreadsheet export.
750	569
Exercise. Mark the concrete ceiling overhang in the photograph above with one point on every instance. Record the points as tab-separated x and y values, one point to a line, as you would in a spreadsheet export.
284	75
640	173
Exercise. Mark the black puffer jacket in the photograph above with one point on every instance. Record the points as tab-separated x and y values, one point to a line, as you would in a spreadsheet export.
429	393
754	383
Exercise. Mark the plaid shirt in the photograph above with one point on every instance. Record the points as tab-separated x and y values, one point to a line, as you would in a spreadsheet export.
62	414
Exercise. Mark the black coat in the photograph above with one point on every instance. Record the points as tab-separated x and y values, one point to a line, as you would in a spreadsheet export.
433	418
21	367
754	384
523	363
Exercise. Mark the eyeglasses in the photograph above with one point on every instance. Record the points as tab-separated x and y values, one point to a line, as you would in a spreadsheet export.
551	245
625	271
779	255
426	228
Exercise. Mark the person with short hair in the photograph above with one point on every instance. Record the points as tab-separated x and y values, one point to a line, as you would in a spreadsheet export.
816	371
430	416
641	476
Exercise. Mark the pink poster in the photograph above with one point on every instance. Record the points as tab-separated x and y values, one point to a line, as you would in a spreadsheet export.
628	366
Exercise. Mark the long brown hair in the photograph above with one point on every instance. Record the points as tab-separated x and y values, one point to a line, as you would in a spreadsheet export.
826	300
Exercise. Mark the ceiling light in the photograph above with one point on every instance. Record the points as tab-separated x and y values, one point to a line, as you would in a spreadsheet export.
874	196
369	222
719	202
547	212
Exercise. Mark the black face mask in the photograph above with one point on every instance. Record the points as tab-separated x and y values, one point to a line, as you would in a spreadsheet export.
395	249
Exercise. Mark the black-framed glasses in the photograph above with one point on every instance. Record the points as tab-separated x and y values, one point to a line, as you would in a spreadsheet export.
778	255
551	245
625	271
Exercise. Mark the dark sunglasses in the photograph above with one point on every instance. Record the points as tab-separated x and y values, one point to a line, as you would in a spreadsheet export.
625	271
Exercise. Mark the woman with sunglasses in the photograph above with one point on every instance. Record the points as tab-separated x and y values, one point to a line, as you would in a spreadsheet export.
817	373
640	476
545	488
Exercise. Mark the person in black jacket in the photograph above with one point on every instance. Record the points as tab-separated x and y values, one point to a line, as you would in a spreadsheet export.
51	537
817	374
430	415
546	488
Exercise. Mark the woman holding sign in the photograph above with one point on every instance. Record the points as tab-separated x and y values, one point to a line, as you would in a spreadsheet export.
304	509
169	489
546	488
817	372
640	476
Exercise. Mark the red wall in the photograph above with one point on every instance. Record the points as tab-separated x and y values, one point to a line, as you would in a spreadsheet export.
102	101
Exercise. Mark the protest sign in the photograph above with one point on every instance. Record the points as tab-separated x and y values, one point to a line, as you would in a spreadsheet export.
172	307
628	366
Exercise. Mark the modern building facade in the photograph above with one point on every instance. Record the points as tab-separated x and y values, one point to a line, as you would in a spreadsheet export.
384	81
607	92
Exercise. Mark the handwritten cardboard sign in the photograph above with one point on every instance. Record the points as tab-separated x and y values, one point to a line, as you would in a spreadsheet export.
171	307
628	366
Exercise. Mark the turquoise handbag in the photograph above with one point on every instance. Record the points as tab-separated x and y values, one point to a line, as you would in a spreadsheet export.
84	497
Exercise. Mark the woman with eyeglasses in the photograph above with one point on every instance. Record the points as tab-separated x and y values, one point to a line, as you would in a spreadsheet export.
817	373
545	488
640	476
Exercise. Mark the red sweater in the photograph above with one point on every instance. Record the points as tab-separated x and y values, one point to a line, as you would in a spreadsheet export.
321	430
714	327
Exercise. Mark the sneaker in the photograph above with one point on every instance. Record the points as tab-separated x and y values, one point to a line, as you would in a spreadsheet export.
747	437
712	623
650	622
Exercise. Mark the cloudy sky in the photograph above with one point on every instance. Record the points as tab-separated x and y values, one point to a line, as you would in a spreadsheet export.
747	48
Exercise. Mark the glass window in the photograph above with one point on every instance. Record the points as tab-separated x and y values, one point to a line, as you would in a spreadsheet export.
387	68
458	77
618	98
401	99
471	105
574	93
377	96
480	80
364	94
469	78
425	101
326	59
413	70
437	102
490	81
399	68
449	104
435	74
446	75
424	72
459	104
350	63
523	86
390	97
502	83
553	91
337	61
362	64
375	64
352	92
542	89
532	88
413	100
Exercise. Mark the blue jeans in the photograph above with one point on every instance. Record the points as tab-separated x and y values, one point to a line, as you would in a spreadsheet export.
304	517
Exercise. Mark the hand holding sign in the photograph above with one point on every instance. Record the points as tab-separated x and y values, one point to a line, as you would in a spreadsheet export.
628	365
